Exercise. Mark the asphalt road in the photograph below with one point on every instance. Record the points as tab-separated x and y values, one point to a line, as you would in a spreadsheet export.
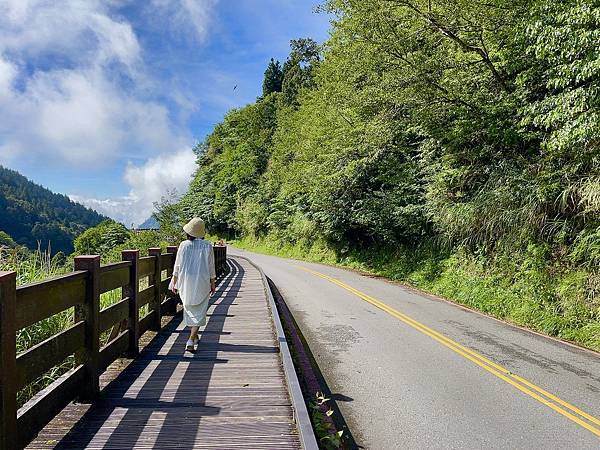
421	373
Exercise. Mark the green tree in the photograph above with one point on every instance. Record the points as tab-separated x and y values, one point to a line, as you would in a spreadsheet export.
273	78
230	164
561	107
169	216
6	240
101	239
298	69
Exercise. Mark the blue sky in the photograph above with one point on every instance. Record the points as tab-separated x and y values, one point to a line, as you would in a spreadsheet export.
103	99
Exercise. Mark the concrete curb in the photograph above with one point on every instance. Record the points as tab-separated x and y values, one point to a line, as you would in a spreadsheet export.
307	435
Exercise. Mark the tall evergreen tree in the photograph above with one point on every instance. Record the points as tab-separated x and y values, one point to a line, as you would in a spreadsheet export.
273	78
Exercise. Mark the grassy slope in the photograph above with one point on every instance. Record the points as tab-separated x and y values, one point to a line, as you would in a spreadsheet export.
521	290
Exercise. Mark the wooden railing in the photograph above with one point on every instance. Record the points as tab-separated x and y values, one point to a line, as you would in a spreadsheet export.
220	258
24	306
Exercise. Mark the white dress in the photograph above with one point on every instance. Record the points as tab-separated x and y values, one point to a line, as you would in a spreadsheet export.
194	268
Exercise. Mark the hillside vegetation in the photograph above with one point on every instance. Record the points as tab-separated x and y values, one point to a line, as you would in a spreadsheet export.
453	145
31	214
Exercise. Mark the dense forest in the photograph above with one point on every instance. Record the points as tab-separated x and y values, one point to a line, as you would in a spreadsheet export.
32	215
454	145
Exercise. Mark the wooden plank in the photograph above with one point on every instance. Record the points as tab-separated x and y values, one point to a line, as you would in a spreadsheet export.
131	291
154	304
113	314
169	303
114	266
220	254
37	412
167	260
49	353
145	296
114	276
146	321
172	250
113	350
231	393
164	286
146	266
38	301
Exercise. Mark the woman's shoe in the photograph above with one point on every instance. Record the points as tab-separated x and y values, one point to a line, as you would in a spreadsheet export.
189	346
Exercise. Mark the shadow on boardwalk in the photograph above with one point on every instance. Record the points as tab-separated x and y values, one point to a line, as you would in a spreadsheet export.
160	400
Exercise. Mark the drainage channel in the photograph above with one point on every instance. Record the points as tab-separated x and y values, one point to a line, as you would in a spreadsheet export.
331	430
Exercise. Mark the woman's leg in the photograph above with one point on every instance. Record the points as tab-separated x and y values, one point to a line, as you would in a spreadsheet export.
194	333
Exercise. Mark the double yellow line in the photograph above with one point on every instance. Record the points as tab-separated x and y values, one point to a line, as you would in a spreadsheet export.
571	412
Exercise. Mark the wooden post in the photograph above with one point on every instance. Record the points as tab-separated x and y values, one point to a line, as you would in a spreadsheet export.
155	324
216	259
172	249
131	291
89	311
8	361
220	260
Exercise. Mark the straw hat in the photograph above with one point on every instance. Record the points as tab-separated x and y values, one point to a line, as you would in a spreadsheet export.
195	228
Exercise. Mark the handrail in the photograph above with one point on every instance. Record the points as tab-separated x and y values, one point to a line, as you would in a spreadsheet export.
38	301
26	305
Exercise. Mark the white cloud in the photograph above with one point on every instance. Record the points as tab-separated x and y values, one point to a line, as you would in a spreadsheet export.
8	72
191	15
73	86
74	90
77	31
115	208
148	183
79	117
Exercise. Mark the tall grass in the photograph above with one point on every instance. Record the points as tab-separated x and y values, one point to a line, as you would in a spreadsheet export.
32	266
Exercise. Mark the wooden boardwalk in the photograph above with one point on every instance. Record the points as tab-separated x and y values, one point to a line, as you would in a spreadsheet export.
231	393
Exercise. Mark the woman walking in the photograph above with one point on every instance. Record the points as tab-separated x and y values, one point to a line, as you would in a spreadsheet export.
194	277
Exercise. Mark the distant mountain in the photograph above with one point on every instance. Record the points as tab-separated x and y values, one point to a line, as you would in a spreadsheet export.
30	213
150	224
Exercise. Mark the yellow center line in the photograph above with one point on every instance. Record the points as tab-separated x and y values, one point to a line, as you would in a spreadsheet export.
504	374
